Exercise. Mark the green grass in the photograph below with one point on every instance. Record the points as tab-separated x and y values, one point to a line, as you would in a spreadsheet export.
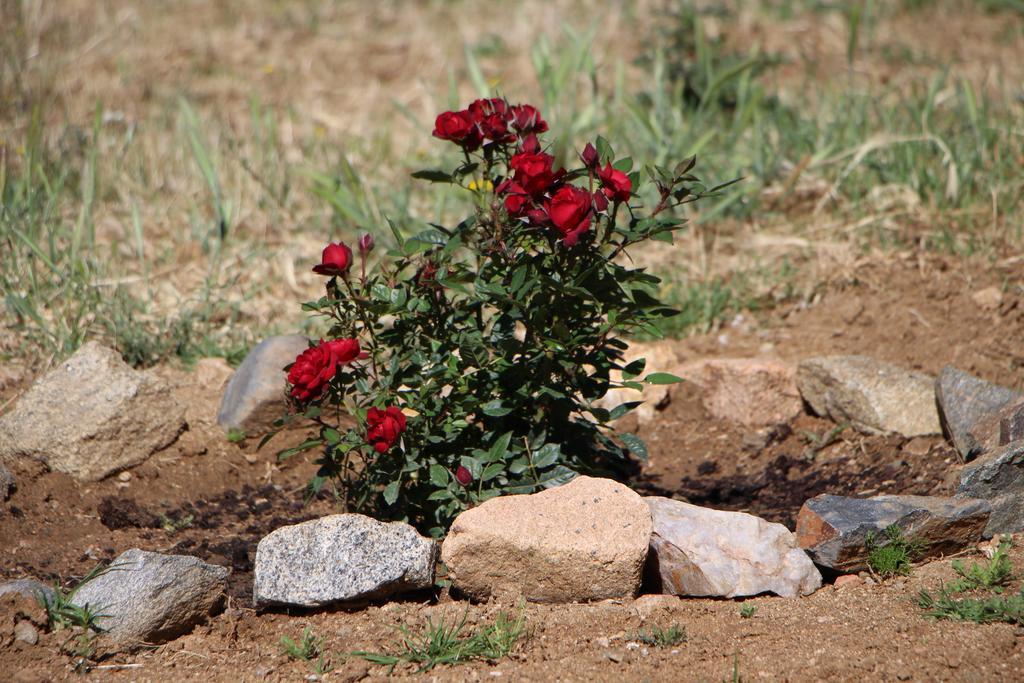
987	582
747	610
309	649
448	643
61	613
657	636
893	555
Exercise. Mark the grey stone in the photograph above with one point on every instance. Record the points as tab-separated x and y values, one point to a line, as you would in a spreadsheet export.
29	588
153	598
91	416
701	552
998	476
872	396
7	485
968	407
1011	424
25	632
255	396
834	530
341	558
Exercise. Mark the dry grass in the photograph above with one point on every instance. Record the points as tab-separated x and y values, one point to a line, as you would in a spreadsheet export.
214	117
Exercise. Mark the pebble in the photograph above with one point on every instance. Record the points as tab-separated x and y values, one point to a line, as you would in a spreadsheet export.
124	476
25	632
848	581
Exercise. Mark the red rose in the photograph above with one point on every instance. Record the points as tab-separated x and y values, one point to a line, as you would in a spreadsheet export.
589	157
336	260
570	211
481	109
366	243
526	119
517	200
533	172
384	427
315	367
458	127
616	184
463	476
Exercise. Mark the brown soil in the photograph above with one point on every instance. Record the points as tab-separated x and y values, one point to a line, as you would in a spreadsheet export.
213	499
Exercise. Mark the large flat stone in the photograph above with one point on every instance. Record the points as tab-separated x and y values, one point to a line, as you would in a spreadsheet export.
998	476
92	416
750	391
701	552
872	396
341	558
969	408
256	394
834	529
147	597
586	540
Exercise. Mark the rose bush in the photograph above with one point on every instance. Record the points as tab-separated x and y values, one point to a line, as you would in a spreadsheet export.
473	357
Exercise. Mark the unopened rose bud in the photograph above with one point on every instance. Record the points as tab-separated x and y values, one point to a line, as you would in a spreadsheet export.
463	476
589	156
366	243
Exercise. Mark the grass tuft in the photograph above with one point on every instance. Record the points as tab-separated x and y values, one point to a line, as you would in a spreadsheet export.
446	643
894	555
309	649
661	637
991	577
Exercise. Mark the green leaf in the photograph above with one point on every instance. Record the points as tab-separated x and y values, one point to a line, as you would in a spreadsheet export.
495	408
433	175
438	475
635	445
623	408
662	378
391	492
500	447
635	368
547	455
331	435
492	470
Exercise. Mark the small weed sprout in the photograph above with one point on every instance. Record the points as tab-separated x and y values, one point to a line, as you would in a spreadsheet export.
62	613
661	637
309	649
173	526
236	435
747	610
894	555
993	576
445	643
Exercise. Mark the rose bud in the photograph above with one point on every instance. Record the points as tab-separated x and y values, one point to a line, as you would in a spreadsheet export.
616	184
589	157
366	243
336	260
463	476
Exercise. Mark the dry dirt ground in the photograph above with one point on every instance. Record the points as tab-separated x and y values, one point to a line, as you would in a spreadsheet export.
924	317
343	66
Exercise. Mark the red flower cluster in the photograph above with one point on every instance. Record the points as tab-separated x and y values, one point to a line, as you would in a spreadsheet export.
535	191
315	367
383	427
491	119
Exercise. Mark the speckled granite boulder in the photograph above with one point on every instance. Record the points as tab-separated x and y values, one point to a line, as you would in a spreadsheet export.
146	597
341	558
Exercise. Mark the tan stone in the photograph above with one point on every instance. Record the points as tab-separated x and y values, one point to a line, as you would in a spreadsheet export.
653	606
584	541
848	581
750	391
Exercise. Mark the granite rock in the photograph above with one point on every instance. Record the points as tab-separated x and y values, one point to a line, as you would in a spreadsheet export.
872	396
255	395
146	597
92	416
341	558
